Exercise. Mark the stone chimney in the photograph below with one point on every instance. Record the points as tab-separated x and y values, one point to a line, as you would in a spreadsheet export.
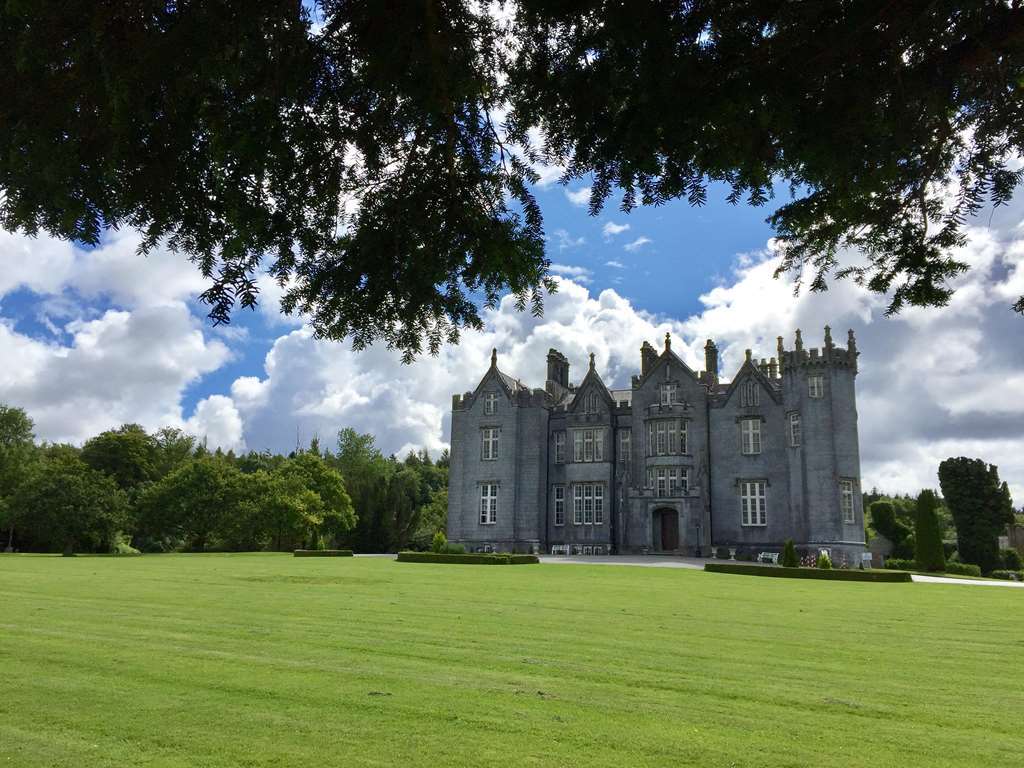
558	368
648	358
711	361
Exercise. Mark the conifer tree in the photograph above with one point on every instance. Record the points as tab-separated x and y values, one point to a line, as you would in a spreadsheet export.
928	552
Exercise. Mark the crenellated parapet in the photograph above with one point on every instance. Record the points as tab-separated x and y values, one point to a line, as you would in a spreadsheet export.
829	355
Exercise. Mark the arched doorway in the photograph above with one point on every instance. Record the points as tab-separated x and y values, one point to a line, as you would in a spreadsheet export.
665	522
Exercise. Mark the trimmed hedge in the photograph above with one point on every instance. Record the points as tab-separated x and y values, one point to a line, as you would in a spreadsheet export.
1008	575
806	573
468	559
900	564
322	553
963	569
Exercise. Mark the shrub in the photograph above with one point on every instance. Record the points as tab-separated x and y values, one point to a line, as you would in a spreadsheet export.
824	562
789	558
722	553
1011	560
806	573
745	555
453	549
883	520
467	559
928	552
322	553
963	569
439	543
1009	574
900	564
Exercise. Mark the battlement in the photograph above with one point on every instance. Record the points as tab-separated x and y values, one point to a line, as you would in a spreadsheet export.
815	357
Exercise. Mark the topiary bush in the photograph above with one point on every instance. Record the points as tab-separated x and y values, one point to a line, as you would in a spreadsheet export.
439	542
1011	560
963	569
722	553
928	552
1008	574
453	549
789	556
824	562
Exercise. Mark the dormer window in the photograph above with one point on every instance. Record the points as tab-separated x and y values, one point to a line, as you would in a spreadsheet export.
590	403
749	393
668	393
490	403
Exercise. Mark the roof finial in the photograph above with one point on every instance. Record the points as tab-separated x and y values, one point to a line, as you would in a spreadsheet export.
850	340
799	341
749	355
591	361
828	337
668	341
494	357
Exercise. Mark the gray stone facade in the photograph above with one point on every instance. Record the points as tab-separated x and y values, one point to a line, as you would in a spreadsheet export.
679	462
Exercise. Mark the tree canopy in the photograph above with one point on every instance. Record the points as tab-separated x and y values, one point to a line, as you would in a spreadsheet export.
981	507
361	160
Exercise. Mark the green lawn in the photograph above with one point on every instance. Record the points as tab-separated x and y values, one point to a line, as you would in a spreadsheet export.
270	660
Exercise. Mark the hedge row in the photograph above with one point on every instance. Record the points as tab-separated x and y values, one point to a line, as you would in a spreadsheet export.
806	573
1008	575
468	559
323	553
952	568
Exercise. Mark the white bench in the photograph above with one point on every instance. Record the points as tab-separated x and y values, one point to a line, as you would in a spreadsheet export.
770	557
559	549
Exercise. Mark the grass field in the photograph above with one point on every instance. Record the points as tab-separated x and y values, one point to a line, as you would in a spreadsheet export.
270	660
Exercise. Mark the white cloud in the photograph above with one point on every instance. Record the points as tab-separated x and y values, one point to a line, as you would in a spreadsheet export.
610	229
564	240
933	383
571	271
615	264
580	197
637	244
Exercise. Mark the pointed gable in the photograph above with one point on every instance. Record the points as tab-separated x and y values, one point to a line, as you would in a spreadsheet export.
748	373
592	384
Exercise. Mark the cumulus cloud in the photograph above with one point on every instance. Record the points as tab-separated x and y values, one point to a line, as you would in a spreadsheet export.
615	264
580	197
933	383
579	274
610	229
637	244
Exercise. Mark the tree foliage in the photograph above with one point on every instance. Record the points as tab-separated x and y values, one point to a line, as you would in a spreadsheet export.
66	502
884	521
363	164
928	551
128	455
789	556
981	506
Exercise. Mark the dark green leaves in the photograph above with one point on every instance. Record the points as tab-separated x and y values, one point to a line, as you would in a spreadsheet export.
362	167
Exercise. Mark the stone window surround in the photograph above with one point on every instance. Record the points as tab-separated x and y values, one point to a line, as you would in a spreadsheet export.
559	502
760	421
682	432
489	490
849	511
795	435
741	488
489	436
490	403
597	495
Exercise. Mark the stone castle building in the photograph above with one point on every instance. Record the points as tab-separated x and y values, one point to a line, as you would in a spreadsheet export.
680	462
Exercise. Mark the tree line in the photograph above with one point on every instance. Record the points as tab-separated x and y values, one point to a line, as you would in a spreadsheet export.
127	490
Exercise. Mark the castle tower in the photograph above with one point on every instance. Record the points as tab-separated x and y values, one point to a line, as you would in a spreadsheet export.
819	397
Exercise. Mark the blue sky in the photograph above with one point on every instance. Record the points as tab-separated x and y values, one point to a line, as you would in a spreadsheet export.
95	338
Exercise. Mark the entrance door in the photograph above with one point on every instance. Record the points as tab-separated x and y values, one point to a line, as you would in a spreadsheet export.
669	529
